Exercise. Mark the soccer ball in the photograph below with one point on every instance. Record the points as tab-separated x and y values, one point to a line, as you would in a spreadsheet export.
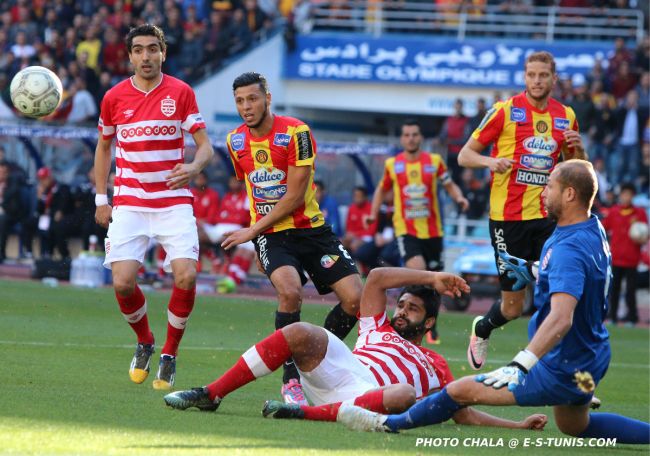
36	91
638	232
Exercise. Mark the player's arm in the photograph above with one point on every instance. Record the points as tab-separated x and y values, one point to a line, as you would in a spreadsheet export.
470	157
377	199
183	173
472	417
456	194
573	146
373	297
102	169
555	325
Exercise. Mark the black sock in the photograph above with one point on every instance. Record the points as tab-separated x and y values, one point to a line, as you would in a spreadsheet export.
492	320
283	319
339	323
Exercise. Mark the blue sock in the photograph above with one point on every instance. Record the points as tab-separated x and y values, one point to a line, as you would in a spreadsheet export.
624	429
433	409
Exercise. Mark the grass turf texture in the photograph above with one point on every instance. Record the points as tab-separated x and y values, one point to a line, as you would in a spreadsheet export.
65	386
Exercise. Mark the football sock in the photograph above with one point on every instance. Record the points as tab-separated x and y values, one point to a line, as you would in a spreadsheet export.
373	401
433	409
238	268
181	303
259	360
339	323
283	319
622	428
492	320
134	310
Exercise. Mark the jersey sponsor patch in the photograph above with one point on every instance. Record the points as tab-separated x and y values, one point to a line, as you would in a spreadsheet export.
540	145
518	115
264	177
264	208
327	261
281	139
560	123
272	193
538	162
399	167
304	145
237	141
529	177
431	169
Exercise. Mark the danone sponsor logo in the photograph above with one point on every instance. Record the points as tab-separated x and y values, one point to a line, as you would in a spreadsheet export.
281	139
540	162
237	141
266	177
532	177
415	190
413	202
540	145
272	193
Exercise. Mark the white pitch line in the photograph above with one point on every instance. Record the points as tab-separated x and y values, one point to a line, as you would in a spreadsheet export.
186	347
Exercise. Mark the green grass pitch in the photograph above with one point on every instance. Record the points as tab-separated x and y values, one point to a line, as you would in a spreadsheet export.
65	387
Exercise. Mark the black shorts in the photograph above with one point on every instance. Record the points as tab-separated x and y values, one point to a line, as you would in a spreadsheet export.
523	239
430	249
316	251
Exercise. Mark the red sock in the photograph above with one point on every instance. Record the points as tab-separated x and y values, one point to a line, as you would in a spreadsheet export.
238	268
181	303
134	310
259	360
373	401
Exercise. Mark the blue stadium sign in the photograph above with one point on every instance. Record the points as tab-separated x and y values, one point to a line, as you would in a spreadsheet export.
486	63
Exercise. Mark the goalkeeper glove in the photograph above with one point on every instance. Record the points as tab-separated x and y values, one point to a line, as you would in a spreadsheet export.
513	374
522	271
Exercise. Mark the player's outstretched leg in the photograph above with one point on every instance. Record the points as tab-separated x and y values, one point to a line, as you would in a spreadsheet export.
477	348
482	327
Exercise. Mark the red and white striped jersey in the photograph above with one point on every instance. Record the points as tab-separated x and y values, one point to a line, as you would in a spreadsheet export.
148	129
393	359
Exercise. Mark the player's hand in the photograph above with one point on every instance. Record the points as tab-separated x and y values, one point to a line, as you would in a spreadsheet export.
449	284
369	220
463	203
103	215
234	238
518	270
500	165
511	375
181	175
573	140
534	422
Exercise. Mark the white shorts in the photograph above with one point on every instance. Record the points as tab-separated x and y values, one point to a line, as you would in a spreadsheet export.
216	232
130	233
339	377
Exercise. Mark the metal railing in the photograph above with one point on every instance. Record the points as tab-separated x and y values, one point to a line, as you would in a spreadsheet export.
523	22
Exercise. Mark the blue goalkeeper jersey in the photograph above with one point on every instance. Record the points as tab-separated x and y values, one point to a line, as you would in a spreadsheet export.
576	260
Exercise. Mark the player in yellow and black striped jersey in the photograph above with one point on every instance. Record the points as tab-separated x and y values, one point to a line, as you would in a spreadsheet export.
275	156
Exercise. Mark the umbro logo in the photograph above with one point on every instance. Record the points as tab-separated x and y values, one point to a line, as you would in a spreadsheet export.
128	113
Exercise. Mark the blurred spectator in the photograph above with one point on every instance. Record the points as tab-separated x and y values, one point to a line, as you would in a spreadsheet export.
643	90
601	175
623	80
21	49
83	108
217	37
602	131
477	192
642	56
329	207
481	111
257	20
191	52
242	36
91	45
582	103
630	121
115	57
382	250
84	213
357	229
206	200
453	135
55	208
626	253
14	207
619	56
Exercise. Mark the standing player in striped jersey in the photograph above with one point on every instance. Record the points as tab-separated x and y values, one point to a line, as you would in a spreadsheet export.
275	157
531	132
413	176
388	369
147	116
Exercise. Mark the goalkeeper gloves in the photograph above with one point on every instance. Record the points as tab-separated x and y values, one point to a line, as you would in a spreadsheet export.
522	271
513	374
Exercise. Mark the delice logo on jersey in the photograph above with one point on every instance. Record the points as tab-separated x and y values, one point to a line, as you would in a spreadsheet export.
168	106
263	177
281	139
539	162
273	193
540	145
237	141
518	115
327	261
560	123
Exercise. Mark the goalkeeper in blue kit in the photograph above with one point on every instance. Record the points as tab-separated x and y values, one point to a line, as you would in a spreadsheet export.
568	351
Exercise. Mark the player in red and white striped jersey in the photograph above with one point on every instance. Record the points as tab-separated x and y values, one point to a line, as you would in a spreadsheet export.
388	369
147	116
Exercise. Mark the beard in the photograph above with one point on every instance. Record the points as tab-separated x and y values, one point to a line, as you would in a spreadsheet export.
411	330
542	97
553	213
259	122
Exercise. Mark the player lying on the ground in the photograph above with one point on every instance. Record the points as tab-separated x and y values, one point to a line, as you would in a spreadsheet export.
387	370
568	353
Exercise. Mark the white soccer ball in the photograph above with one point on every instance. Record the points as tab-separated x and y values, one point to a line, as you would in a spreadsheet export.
639	232
36	91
